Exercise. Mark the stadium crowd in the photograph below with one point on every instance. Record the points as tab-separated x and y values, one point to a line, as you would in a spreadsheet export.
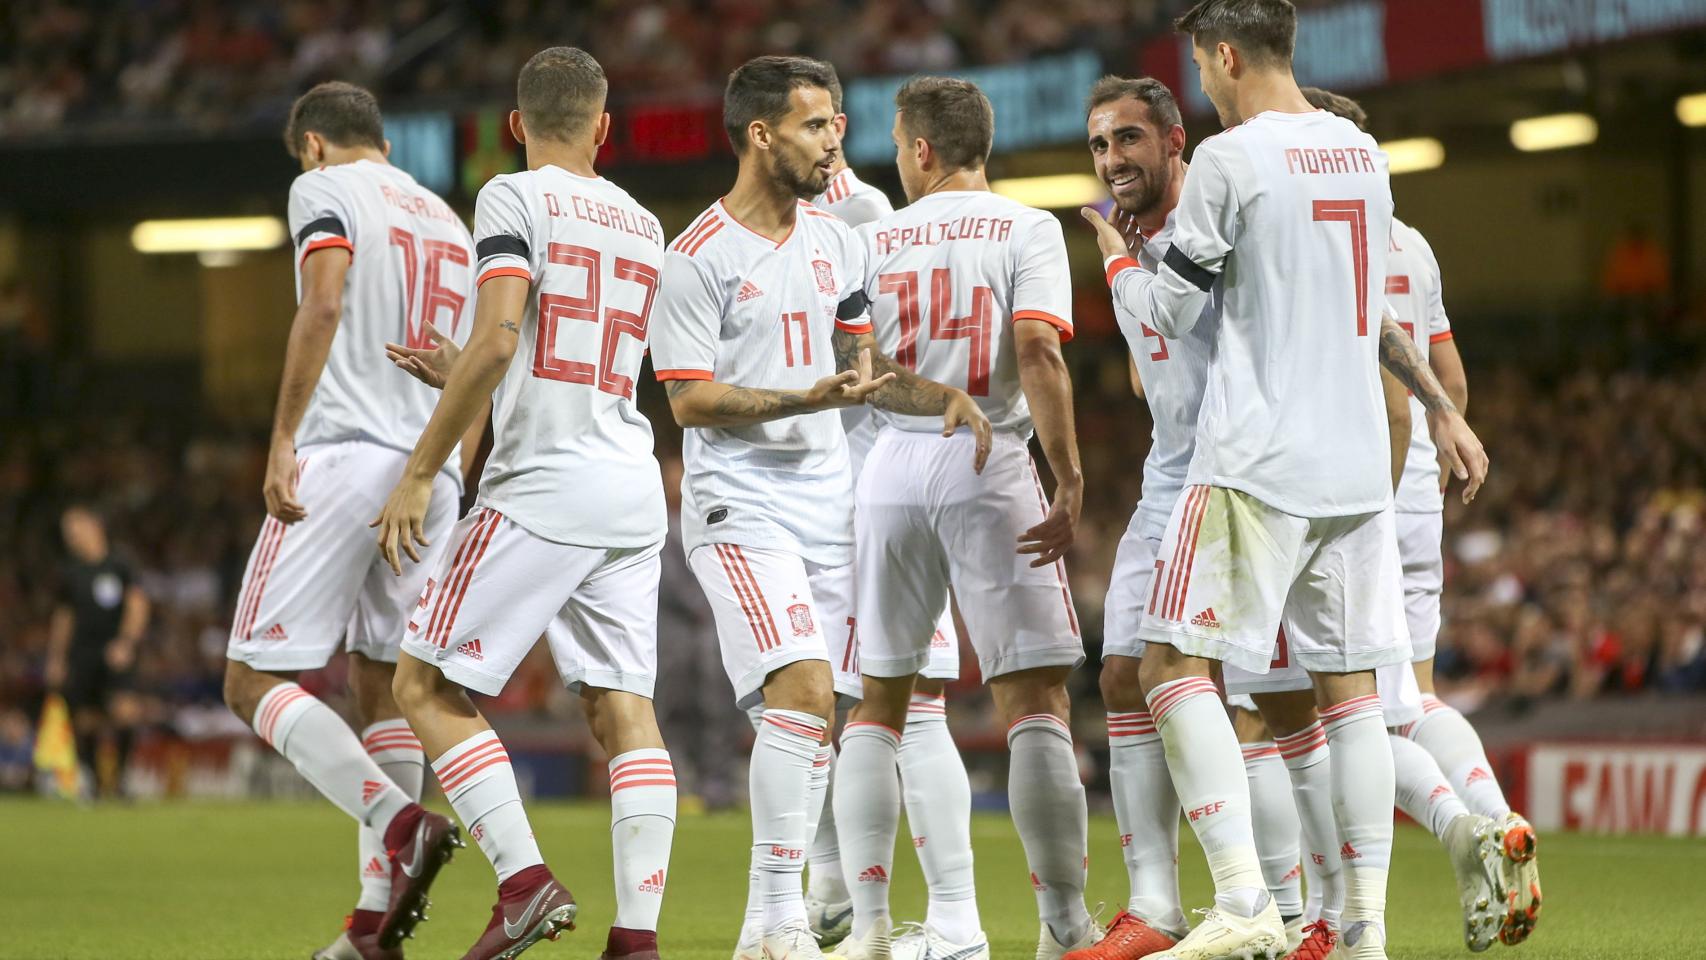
202	66
1579	572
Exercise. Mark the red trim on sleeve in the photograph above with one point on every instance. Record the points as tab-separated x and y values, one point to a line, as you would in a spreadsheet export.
1119	264
504	272
1048	318
1436	338
328	242
854	329
684	374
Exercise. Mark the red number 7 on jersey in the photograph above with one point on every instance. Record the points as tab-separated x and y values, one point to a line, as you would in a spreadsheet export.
1355	214
555	307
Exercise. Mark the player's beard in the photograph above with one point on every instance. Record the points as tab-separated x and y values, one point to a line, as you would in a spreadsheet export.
1151	187
804	180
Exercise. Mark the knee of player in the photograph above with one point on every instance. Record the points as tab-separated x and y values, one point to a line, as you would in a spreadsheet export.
1121	688
620	721
240	693
413	684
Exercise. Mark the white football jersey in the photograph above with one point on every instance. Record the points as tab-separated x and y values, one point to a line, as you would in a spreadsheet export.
1174	374
571	456
743	310
411	262
947	278
1291	211
856	203
1413	289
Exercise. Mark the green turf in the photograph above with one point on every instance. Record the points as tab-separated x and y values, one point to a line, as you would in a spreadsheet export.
261	881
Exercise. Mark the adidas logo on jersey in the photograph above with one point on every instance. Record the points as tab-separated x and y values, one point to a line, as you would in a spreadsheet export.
374	868
275	632
874	874
471	650
748	291
369	790
653	883
1206	619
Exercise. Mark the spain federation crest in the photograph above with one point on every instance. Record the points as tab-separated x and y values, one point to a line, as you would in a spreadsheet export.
800	618
825	276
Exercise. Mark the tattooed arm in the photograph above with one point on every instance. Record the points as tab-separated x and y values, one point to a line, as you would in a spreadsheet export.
909	393
1459	449
467	395
707	403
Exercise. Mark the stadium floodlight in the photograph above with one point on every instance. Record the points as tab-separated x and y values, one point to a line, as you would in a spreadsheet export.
200	236
1058	192
1554	132
1691	110
1414	154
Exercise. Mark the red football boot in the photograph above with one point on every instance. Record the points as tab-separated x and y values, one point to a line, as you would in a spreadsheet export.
419	843
1318	943
532	906
625	944
1128	938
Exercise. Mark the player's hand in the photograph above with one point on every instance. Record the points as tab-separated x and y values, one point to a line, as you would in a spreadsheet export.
402	523
431	365
53	674
120	655
963	411
279	489
849	388
1459	450
1051	539
1109	239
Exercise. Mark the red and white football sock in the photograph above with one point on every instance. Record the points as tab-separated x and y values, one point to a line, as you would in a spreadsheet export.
1309	761
1278	832
1053	820
1147	811
479	782
642	827
1363	794
937	795
328	754
869	798
1423	794
1452	740
783	756
823	854
1208	774
398	752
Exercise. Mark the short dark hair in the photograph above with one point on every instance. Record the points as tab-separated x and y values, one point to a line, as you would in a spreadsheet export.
1265	31
1163	107
952	115
834	88
343	113
560	93
1338	105
759	89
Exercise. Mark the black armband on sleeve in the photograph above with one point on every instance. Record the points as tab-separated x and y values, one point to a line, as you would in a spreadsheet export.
1194	274
331	225
854	306
500	244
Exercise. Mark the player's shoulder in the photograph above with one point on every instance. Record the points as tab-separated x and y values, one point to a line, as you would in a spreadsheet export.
827	220
706	239
320	181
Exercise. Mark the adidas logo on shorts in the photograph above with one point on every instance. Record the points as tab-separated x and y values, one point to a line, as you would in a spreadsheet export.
471	650
874	874
653	883
1205	619
275	632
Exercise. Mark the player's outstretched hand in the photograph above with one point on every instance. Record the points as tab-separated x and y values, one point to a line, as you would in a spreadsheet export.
430	365
1109	239
402	522
279	487
1459	450
963	411
1053	537
849	388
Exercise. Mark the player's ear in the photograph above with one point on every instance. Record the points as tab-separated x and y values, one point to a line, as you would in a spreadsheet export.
841	126
758	134
385	148
1176	140
517	128
1230	60
602	132
925	153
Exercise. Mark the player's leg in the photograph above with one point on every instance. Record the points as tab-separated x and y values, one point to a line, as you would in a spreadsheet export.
775	654
869	798
937	796
1344	618
828	901
1289	716
1426	798
494	592
607	651
1146	809
1273	814
1228	551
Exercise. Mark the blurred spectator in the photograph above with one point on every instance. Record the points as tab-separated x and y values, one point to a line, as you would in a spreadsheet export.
1636	267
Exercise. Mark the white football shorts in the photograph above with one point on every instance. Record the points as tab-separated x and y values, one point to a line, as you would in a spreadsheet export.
1420	553
1128	586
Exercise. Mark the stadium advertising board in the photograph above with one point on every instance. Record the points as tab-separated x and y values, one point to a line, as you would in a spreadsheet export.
1656	788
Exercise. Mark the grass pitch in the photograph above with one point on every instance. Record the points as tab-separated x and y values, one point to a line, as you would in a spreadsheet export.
261	881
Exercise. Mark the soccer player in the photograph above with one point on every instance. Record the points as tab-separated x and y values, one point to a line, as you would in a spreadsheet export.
933	778
91	654
565	536
378	257
760	307
972	289
1432	738
1287	515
